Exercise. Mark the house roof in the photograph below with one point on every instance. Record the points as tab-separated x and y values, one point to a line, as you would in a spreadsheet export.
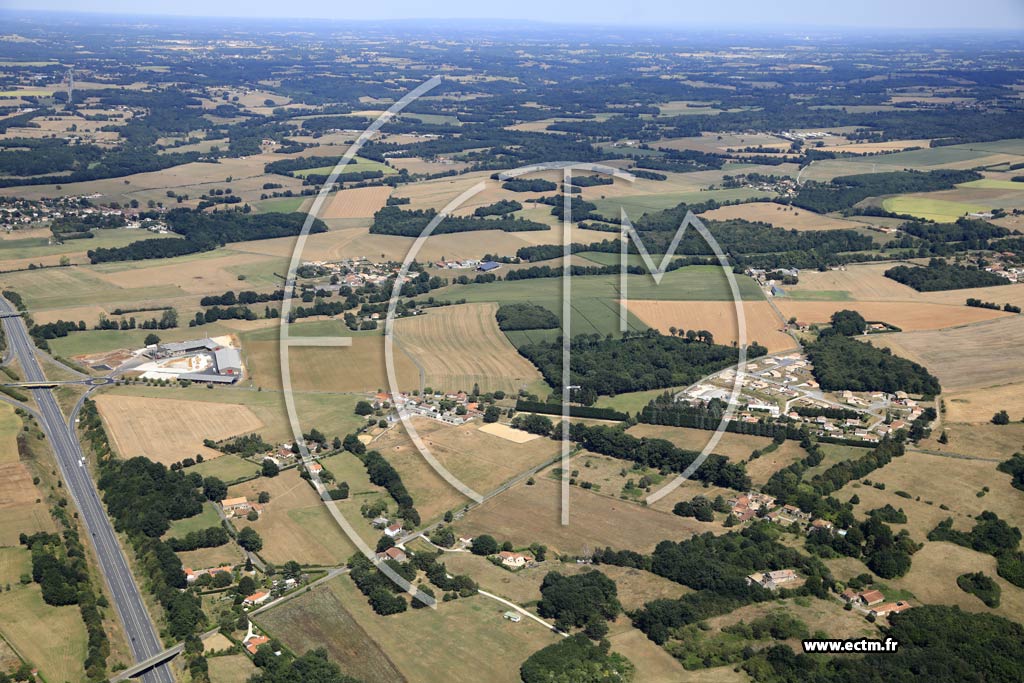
257	596
254	643
228	502
872	596
397	526
394	553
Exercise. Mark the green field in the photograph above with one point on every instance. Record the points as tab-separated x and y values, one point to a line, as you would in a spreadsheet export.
51	638
98	341
357	164
595	297
632	402
280	204
14	563
62	287
820	295
204	520
10	425
939	210
637	205
227	468
922	158
993	184
36	247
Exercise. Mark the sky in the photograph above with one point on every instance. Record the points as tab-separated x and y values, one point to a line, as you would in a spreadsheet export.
853	14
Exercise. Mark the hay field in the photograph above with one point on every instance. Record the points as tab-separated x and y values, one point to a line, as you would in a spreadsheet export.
215	273
481	460
295	524
979	405
981	355
167	430
524	514
780	216
360	367
932	580
719	318
909	317
359	202
19	511
459	346
985	440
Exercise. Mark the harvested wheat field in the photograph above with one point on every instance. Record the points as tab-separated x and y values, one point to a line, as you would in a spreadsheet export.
359	202
790	218
909	317
167	430
459	346
981	355
857	283
718	317
508	433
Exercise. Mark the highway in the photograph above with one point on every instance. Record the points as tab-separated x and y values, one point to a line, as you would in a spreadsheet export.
124	593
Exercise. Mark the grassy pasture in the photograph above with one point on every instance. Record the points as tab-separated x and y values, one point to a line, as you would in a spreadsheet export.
53	639
205	519
295	524
231	669
940	210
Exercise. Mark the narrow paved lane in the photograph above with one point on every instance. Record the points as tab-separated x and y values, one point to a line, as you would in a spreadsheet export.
124	592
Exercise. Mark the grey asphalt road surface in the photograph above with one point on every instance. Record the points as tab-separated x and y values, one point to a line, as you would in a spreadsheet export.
125	594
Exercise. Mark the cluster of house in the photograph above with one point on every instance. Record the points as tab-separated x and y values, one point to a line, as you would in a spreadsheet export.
429	406
754	504
780	578
356	272
1011	273
874	602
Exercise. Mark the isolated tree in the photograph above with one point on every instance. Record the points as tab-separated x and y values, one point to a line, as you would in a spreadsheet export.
151	339
250	540
1001	418
270	468
364	408
484	545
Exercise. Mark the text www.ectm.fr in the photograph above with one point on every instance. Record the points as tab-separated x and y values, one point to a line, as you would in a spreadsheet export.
851	645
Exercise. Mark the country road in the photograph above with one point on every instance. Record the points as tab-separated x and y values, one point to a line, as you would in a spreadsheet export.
124	593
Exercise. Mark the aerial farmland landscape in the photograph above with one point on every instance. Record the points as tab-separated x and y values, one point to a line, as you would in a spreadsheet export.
542	344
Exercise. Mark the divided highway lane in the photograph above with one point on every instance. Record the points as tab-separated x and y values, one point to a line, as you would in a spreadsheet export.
127	600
